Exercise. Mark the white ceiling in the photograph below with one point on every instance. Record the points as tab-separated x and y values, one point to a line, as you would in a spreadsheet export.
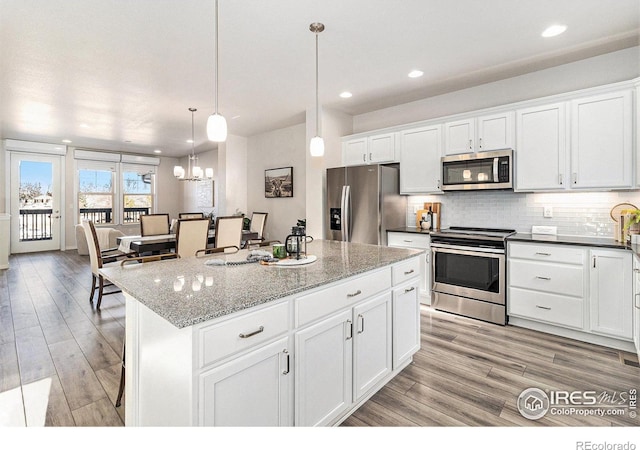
105	72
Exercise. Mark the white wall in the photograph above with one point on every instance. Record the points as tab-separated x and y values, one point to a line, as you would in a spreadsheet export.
609	68
279	148
232	168
189	189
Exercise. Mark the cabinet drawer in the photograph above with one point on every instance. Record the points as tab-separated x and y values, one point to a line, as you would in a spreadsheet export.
326	301
406	270
549	253
408	240
545	307
218	341
554	278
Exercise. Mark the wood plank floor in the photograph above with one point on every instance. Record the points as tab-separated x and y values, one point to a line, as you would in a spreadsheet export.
60	361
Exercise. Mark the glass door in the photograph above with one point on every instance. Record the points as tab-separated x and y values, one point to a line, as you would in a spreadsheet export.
35	198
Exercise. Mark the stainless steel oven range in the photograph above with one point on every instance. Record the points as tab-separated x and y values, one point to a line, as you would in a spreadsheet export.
468	272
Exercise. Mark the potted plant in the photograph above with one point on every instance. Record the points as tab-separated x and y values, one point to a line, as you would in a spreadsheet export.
632	222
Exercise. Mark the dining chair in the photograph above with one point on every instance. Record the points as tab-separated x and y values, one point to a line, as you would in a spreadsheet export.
99	260
213	250
191	236
258	221
228	231
154	224
139	259
191	215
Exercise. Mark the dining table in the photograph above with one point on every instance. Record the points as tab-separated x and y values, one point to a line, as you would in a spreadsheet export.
164	242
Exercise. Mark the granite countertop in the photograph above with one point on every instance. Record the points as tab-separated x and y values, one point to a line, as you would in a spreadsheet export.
590	241
411	230
186	291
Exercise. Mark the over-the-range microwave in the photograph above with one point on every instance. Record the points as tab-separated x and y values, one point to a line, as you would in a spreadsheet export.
475	171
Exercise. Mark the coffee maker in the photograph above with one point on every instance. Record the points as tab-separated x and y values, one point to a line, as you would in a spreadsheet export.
296	242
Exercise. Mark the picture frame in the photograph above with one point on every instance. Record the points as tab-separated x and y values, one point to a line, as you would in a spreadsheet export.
204	193
278	183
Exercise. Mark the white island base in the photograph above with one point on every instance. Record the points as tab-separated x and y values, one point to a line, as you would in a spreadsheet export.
308	359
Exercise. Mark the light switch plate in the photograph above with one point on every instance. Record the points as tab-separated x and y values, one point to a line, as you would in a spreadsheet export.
547	211
542	229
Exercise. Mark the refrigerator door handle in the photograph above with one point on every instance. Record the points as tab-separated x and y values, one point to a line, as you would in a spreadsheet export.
346	214
343	212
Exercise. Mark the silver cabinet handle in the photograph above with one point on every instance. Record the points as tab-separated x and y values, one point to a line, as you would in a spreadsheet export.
594	262
574	178
636	303
370	156
364	157
286	371
636	270
546	308
253	333
438	184
408	272
560	179
409	289
358	292
470	144
544	278
543	254
407	240
361	319
349	325
480	144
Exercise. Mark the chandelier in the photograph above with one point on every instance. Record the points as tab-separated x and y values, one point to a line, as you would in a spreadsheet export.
194	172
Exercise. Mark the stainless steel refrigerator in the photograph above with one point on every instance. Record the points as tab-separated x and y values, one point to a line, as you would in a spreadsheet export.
363	202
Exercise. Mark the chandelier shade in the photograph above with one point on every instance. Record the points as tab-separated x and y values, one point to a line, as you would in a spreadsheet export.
194	172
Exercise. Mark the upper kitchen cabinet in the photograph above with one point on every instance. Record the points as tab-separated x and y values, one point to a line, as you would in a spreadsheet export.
375	149
420	153
479	134
601	141
541	143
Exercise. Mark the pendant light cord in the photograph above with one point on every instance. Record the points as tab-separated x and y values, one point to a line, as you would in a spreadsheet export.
216	58
317	102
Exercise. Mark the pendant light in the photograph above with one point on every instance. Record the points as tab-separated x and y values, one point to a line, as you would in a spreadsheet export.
316	146
194	172
216	124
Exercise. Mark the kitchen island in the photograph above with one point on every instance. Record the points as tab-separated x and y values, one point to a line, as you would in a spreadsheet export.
256	345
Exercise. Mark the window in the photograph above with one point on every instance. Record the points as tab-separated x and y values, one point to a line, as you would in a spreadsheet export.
137	190
95	192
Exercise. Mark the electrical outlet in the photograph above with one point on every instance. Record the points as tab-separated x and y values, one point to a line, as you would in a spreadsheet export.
547	211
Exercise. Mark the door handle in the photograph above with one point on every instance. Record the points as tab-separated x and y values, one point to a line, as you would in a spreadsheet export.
480	143
349	325
358	292
253	333
544	278
546	308
286	353
361	319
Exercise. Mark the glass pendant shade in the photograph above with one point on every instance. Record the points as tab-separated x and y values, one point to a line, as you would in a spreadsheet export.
178	171
217	128
208	172
316	147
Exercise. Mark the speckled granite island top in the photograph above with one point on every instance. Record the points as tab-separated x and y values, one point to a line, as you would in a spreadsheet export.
186	291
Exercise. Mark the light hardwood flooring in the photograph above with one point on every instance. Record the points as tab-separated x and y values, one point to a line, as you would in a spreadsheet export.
60	361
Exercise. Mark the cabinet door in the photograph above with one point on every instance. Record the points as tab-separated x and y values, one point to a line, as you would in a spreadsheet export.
459	136
371	343
601	141
495	132
541	148
636	305
420	153
611	293
354	152
406	323
323	382
253	390
382	148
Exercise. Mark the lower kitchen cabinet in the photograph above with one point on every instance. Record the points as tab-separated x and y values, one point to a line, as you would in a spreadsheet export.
341	359
636	304
406	322
252	390
611	293
420	241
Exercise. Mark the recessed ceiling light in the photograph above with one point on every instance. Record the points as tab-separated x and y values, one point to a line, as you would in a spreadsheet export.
84	125
157	151
235	117
346	94
66	141
554	30
189	141
416	73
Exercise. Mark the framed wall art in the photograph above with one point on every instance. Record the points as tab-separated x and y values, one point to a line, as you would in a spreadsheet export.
278	182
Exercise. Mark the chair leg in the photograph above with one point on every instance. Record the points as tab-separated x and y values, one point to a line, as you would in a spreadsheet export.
121	388
100	289
93	288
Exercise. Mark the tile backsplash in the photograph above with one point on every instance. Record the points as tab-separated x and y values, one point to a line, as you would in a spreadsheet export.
574	213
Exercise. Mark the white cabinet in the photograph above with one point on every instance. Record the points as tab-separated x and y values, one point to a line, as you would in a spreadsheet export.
601	141
406	322
379	148
611	293
252	390
323	387
541	148
636	305
420	241
479	134
420	153
341	359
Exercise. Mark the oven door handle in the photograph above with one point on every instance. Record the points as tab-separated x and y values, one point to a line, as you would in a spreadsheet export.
460	249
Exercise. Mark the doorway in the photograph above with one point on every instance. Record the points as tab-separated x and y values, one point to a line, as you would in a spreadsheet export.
36	197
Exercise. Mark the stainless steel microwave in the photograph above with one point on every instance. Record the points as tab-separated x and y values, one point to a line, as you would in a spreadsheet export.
475	171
